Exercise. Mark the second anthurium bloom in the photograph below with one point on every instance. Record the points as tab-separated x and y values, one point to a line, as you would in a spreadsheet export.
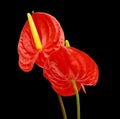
49	35
69	64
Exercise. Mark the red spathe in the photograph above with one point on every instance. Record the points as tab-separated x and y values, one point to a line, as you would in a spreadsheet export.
51	36
67	64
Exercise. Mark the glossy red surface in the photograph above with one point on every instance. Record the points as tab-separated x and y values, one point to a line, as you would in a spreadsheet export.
67	64
51	36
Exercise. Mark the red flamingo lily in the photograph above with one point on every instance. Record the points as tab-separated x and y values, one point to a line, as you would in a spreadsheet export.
68	64
50	37
68	69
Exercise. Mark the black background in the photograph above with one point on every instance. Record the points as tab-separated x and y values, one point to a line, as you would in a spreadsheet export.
89	26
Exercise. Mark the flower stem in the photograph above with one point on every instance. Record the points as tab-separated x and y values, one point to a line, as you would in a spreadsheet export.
62	107
77	99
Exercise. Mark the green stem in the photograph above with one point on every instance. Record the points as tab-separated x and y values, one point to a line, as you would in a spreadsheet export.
62	107
77	98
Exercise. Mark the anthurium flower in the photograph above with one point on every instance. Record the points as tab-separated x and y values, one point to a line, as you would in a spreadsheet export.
51	37
68	64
